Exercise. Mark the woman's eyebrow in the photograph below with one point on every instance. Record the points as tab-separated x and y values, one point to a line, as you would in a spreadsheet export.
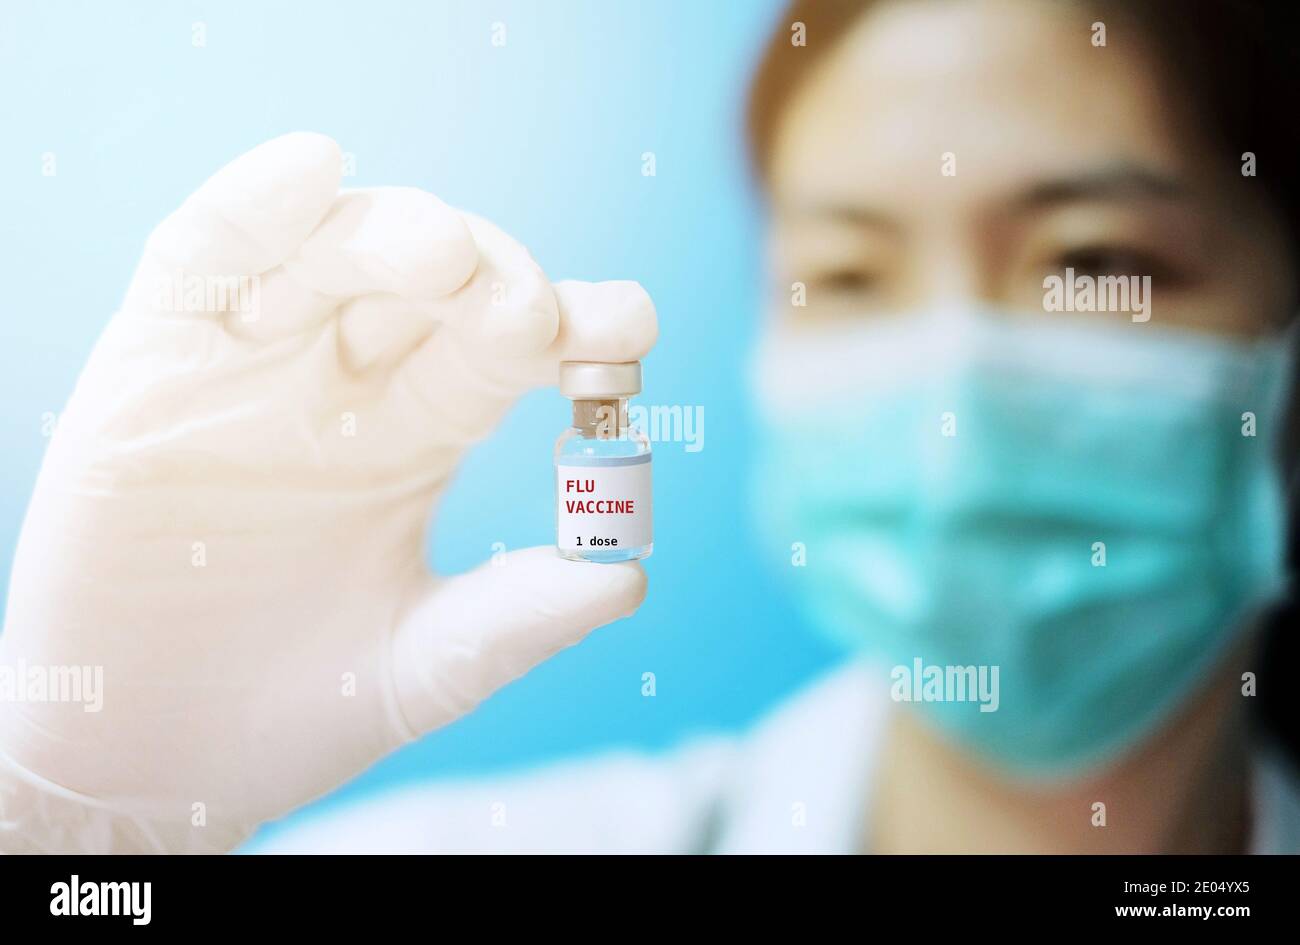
1116	182
1106	182
835	212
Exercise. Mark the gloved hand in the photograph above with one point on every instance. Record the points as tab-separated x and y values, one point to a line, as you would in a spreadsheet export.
229	518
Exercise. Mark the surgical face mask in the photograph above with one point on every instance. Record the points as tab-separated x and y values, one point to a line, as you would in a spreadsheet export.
1084	511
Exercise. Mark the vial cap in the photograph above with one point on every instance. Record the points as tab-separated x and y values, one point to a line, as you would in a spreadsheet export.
599	380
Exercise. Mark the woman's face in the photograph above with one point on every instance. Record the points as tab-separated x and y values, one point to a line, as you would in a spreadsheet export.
1058	153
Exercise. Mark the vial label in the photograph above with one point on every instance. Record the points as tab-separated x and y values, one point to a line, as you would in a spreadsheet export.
604	503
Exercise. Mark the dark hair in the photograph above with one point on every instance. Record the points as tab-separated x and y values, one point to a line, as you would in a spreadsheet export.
1239	60
1239	63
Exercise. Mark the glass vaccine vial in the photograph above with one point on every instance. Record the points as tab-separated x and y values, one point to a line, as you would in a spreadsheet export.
602	467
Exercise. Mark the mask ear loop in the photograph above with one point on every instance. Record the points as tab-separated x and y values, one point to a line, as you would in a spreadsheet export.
1288	446
1279	643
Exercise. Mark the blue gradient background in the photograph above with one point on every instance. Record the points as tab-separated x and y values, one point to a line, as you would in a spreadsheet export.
544	136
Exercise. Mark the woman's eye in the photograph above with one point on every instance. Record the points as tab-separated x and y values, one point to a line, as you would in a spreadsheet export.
844	281
1108	261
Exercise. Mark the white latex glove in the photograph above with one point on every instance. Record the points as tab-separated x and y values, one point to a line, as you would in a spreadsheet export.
229	518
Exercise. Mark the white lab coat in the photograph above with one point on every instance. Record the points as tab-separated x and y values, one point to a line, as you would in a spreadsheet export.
799	782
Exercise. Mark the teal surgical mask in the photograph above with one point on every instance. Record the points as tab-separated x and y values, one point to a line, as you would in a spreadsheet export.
1089	509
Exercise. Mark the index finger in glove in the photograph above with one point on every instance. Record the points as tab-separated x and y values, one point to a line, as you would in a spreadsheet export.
456	391
254	212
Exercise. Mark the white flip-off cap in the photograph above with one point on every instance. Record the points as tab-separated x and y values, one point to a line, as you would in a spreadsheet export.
599	380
